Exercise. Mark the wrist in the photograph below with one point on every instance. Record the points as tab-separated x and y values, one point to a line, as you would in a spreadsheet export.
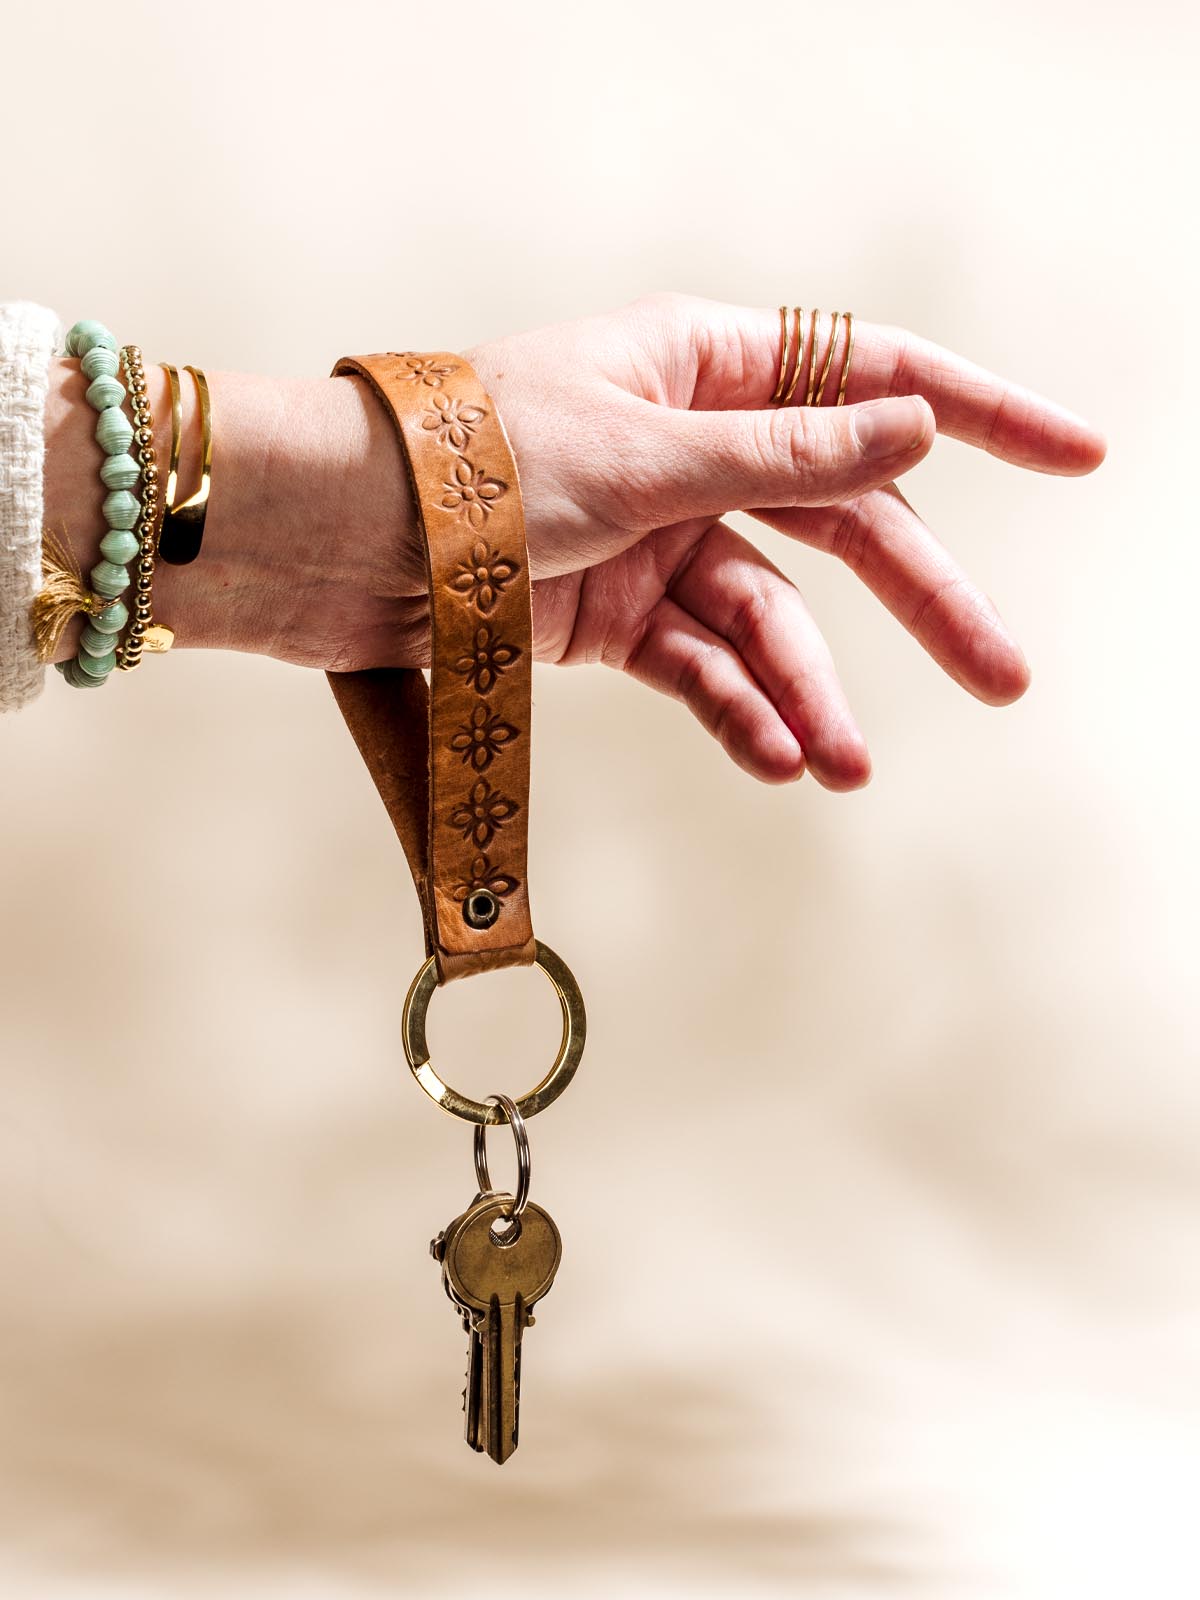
309	521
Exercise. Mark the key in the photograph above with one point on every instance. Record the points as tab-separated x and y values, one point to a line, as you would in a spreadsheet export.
473	1387
473	1402
498	1280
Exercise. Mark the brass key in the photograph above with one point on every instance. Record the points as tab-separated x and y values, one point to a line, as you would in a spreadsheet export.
473	1388
497	1277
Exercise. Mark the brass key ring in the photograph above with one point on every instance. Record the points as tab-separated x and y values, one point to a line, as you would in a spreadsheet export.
524	1165
416	1047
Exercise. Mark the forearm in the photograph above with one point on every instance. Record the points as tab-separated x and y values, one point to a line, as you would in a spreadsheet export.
309	498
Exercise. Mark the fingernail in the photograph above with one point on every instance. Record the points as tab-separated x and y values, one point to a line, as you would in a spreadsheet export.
889	427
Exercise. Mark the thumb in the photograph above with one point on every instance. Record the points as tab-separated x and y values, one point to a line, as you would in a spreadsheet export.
790	456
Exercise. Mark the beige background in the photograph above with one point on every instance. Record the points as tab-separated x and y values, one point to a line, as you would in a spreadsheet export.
879	1185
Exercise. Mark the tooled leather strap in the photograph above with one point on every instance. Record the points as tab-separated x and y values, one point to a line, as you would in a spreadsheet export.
451	762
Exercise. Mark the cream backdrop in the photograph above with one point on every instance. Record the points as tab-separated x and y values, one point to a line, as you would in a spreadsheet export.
879	1184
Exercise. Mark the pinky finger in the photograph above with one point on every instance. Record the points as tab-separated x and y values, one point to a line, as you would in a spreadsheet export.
680	657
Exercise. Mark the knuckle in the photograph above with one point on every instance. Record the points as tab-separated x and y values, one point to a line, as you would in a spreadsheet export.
720	723
847	534
772	442
636	645
789	451
811	452
905	361
795	707
691	676
746	621
933	612
662	305
996	422
665	299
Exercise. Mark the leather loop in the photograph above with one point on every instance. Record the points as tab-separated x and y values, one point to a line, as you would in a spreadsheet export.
451	762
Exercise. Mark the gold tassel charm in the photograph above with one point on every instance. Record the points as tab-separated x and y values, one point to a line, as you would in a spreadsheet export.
63	593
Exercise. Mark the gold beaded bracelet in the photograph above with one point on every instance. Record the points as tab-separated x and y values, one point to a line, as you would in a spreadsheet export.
143	632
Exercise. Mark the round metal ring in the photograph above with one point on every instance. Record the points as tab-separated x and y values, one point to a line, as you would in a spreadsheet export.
574	1031
524	1165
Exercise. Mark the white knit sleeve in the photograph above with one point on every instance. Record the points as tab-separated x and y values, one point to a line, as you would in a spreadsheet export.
29	336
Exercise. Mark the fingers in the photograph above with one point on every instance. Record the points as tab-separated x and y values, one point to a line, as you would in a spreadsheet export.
881	538
686	464
682	658
738	366
731	638
731	588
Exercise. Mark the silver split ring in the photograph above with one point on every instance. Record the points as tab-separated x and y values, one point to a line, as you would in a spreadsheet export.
517	1123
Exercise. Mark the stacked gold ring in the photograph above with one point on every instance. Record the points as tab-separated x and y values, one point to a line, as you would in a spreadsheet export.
815	390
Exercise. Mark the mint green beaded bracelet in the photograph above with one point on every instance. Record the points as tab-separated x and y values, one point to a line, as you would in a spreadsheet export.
100	364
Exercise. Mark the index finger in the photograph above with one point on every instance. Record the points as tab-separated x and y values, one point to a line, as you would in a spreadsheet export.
738	351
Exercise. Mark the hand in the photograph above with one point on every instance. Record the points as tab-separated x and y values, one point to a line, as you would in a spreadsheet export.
634	433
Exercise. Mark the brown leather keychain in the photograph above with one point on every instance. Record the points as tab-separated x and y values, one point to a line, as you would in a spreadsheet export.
451	763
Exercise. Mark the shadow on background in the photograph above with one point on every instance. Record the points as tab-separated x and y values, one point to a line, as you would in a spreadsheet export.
199	1441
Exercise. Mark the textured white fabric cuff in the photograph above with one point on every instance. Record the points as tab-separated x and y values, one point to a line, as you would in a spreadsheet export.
29	337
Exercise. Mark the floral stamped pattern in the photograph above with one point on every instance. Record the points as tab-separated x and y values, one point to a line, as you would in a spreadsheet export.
480	741
471	493
482	577
454	421
484	876
424	370
488	659
482	814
